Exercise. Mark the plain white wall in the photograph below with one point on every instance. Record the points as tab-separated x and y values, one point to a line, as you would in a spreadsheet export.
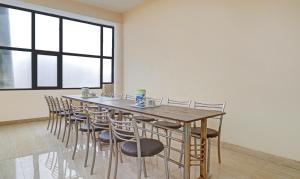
26	104
246	53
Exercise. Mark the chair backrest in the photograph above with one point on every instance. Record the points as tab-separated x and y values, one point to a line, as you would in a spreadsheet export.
158	101
212	106
124	130
129	97
52	103
65	106
172	102
48	103
97	118
58	104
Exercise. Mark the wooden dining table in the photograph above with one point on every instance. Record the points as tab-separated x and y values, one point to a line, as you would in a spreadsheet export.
186	116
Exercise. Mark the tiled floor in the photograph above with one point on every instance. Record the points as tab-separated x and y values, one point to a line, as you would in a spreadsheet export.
30	151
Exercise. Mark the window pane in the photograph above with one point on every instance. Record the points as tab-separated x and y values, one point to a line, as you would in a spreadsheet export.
46	32
15	28
107	70
15	69
81	38
47	70
107	41
81	72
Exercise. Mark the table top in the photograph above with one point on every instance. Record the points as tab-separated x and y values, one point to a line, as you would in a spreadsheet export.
175	113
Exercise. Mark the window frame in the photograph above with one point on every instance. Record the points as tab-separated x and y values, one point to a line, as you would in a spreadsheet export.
60	53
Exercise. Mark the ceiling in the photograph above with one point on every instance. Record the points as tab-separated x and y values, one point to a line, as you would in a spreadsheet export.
114	5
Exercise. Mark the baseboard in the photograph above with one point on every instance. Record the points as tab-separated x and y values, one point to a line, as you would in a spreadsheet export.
20	121
262	155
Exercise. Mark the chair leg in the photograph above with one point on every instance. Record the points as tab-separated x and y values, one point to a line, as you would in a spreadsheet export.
144	132
120	153
139	173
152	127
169	141
116	161
195	146
56	122
76	139
110	159
49	120
181	151
144	167
69	131
64	133
208	156
52	124
166	158
219	149
59	127
87	149
157	133
94	153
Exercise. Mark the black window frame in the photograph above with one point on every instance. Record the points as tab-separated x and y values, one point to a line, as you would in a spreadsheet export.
60	53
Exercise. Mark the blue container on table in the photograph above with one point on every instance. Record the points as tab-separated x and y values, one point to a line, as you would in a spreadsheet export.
140	98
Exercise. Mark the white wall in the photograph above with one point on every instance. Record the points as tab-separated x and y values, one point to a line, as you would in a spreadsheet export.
243	52
25	104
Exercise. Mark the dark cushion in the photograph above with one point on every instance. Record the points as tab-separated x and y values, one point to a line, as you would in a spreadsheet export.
144	118
105	136
211	133
84	128
78	119
123	113
149	147
171	125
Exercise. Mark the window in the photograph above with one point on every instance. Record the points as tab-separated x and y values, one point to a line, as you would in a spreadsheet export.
15	69
46	33
81	72
47	51
81	38
46	71
15	28
107	70
107	42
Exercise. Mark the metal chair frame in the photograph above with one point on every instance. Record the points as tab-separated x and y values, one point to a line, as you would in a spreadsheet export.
129	126
209	106
172	102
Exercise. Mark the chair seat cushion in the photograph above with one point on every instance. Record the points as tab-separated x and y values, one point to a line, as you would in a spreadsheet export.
105	136
144	118
123	113
167	124
149	147
211	133
84	128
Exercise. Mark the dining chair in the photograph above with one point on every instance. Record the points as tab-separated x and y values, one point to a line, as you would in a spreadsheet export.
50	110
84	127
145	119
165	125
97	120
60	115
72	113
55	113
134	146
126	114
211	133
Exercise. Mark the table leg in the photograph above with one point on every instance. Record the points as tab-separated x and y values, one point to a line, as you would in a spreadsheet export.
203	157
187	151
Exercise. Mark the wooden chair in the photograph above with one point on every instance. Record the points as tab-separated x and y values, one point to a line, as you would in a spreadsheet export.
211	133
